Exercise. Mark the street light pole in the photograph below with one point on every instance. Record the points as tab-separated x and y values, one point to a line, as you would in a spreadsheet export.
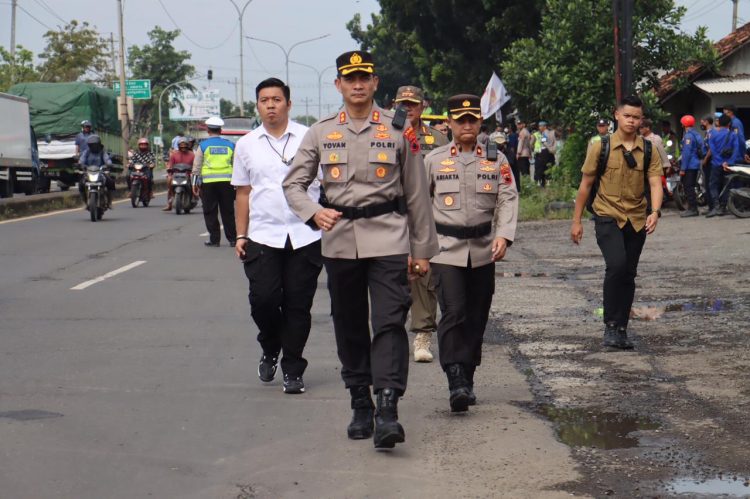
241	14
320	81
124	119
289	50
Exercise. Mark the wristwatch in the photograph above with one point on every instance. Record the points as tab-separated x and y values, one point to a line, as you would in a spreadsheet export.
658	213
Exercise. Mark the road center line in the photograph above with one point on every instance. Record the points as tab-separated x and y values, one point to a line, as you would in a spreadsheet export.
101	278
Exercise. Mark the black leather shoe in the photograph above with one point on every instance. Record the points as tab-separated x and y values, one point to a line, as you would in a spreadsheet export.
721	211
460	394
623	343
210	244
293	384
611	339
388	431
470	377
232	243
363	409
267	367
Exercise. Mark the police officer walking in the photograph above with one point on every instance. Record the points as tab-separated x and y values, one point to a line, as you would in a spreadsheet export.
424	301
213	166
693	152
475	205
377	214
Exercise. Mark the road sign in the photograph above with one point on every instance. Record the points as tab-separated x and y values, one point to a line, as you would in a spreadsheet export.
137	89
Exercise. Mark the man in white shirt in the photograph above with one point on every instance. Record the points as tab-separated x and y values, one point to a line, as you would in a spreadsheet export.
280	252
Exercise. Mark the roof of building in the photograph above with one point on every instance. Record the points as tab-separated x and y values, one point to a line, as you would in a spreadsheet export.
727	85
724	47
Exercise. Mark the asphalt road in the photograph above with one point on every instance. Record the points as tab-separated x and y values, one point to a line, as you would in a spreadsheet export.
144	384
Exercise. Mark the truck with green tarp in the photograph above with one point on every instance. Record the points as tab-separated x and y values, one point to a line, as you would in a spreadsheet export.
57	110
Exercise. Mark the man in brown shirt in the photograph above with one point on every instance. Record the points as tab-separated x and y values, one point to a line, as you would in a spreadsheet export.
475	205
523	154
620	214
424	301
377	214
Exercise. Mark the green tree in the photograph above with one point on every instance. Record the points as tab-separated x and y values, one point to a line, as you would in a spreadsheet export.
76	52
567	74
229	108
161	63
453	45
16	70
306	120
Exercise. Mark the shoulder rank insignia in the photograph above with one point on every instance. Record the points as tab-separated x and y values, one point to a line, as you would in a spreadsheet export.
381	128
479	150
411	136
376	116
447	162
334	136
342	117
487	168
447	169
505	172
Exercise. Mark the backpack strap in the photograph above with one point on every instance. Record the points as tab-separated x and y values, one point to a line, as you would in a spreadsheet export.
647	148
601	167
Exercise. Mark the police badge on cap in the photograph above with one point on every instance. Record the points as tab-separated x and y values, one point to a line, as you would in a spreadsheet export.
463	104
351	62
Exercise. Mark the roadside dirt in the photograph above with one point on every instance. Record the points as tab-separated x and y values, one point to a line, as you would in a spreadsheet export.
671	417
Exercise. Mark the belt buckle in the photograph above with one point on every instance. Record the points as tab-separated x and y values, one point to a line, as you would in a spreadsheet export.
359	212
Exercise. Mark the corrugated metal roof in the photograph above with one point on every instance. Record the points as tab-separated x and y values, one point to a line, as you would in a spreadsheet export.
724	85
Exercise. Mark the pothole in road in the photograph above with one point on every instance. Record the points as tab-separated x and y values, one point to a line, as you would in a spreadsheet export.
652	312
580	427
713	487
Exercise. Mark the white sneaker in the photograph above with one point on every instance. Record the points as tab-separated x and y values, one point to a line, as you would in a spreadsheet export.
422	347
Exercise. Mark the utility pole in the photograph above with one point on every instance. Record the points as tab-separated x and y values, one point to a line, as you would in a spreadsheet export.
236	91
734	15
241	14
13	4
307	102
112	53
622	14
124	121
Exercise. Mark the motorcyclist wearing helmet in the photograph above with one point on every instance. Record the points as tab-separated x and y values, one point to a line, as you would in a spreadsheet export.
95	155
145	157
82	136
183	154
693	152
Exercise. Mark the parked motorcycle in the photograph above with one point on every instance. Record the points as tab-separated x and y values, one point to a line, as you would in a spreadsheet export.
95	191
184	200
138	185
737	181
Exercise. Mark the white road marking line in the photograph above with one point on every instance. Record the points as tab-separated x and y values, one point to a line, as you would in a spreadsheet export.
205	234
127	267
60	212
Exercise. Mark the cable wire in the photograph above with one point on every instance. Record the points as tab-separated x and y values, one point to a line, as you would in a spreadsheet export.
46	7
34	18
164	8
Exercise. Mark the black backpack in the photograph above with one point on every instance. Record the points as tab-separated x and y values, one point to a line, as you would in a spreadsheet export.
602	166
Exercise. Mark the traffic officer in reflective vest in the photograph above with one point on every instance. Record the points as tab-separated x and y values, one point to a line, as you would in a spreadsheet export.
213	168
424	301
475	205
377	214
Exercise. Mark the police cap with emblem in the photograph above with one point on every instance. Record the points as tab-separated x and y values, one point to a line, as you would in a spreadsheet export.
463	104
351	62
409	94
602	122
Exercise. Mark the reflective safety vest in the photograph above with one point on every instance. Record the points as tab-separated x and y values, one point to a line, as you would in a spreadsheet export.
217	160
538	142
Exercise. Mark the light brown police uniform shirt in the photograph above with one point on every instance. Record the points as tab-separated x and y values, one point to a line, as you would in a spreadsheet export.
468	190
525	144
430	139
621	188
361	167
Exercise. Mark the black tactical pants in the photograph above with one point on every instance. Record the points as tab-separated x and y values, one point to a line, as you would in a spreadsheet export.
689	180
622	250
382	361
465	296
283	282
218	197
524	165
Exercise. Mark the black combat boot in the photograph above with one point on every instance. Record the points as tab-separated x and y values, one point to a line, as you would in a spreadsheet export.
470	377
363	408
388	431
610	336
459	387
623	343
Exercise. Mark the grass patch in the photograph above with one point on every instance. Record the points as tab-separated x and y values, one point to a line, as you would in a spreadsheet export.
536	202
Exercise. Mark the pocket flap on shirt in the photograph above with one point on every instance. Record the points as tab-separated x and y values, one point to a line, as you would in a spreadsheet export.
382	156
333	157
442	186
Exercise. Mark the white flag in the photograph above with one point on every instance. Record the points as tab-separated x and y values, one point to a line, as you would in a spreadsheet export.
494	96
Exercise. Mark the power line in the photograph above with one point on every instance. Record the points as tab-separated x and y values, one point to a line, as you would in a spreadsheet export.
34	18
46	7
702	11
164	8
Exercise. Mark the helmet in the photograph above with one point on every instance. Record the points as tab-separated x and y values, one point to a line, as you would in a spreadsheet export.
143	140
93	139
499	138
214	122
85	123
687	120
183	140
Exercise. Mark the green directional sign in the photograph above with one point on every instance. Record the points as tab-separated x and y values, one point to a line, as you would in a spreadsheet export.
137	89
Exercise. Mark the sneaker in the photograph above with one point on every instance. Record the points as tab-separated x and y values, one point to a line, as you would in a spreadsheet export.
721	211
267	368
422	347
712	213
689	213
293	384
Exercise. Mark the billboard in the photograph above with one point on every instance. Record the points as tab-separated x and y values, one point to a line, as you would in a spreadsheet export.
198	105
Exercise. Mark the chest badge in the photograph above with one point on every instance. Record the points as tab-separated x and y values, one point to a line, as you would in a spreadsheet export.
448	201
447	169
381	128
487	187
334	136
382	156
429	139
333	157
486	168
381	135
335	172
447	162
381	172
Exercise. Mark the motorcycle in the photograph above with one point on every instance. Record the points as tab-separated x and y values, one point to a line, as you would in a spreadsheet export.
674	189
138	185
184	200
738	183
95	191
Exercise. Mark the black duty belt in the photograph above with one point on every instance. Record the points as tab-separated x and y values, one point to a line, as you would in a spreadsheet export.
397	205
462	232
